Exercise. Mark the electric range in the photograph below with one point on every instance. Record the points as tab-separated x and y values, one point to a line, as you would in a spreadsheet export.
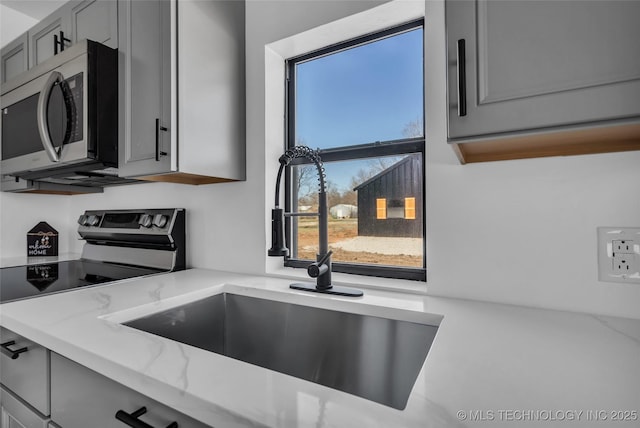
119	244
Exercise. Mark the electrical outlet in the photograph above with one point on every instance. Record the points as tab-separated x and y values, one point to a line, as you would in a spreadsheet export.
619	254
623	264
622	247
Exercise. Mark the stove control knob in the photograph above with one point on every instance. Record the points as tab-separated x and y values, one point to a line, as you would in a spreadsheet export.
93	220
82	220
145	220
160	220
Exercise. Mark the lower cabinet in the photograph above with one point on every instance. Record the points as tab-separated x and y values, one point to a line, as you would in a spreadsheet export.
82	398
24	370
24	378
15	413
41	389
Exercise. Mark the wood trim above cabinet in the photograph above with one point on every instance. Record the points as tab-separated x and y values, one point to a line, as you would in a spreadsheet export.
602	139
184	178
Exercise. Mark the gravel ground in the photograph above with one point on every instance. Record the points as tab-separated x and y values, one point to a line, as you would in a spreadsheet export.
382	245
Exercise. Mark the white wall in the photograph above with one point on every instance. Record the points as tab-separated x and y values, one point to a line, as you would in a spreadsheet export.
13	24
20	212
521	232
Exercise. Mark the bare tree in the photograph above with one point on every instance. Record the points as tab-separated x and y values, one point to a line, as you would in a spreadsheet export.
334	197
414	128
305	179
349	197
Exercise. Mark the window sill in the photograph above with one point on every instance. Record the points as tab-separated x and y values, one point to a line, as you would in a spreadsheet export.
370	282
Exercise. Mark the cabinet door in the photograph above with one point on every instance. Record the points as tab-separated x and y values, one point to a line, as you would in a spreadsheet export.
15	58
73	407
95	20
539	64
42	35
27	375
144	40
16	414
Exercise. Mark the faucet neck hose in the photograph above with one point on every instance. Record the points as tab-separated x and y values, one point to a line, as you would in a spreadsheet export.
280	170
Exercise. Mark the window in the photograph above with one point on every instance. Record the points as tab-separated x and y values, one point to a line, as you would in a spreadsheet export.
360	103
395	208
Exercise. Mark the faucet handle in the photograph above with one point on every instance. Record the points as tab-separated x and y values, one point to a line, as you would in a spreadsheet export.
314	270
320	267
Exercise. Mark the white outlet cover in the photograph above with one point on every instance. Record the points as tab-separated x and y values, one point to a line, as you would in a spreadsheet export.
606	254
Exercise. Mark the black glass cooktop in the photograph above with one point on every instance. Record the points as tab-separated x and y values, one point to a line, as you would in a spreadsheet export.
21	282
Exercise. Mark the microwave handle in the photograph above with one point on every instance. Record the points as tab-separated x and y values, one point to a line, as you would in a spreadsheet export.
43	99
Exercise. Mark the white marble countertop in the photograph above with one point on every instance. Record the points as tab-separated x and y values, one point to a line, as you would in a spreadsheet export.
490	365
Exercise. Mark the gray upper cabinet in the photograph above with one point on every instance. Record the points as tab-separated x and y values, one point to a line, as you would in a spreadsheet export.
532	65
74	21
95	20
45	35
145	88
15	58
182	91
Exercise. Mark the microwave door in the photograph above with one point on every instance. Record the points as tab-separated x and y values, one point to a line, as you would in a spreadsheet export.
20	137
43	121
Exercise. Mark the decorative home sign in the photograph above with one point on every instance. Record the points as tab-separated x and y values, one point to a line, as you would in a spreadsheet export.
42	240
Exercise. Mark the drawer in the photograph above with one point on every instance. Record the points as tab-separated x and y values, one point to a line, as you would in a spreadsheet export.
26	376
73	407
14	413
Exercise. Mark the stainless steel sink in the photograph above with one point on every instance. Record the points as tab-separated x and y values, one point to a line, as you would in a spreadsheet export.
372	357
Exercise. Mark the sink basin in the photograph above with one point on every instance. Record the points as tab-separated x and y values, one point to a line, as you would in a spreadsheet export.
372	357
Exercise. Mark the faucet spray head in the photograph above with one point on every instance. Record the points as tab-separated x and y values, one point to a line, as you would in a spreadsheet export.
278	249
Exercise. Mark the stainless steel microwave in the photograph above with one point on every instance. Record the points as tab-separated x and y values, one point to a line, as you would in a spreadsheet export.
62	114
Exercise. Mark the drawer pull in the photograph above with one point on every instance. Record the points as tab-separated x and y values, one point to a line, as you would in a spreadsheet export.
10	352
133	421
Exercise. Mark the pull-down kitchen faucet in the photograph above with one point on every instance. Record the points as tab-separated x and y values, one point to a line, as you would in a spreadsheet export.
321	268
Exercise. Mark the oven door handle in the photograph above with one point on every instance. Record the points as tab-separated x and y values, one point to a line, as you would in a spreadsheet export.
54	78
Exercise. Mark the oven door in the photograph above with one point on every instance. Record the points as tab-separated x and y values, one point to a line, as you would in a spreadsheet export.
43	120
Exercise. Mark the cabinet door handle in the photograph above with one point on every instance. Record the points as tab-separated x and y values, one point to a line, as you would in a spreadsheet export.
158	129
133	421
10	352
462	79
59	41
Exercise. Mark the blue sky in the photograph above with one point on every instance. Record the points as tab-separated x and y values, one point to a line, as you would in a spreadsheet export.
361	95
